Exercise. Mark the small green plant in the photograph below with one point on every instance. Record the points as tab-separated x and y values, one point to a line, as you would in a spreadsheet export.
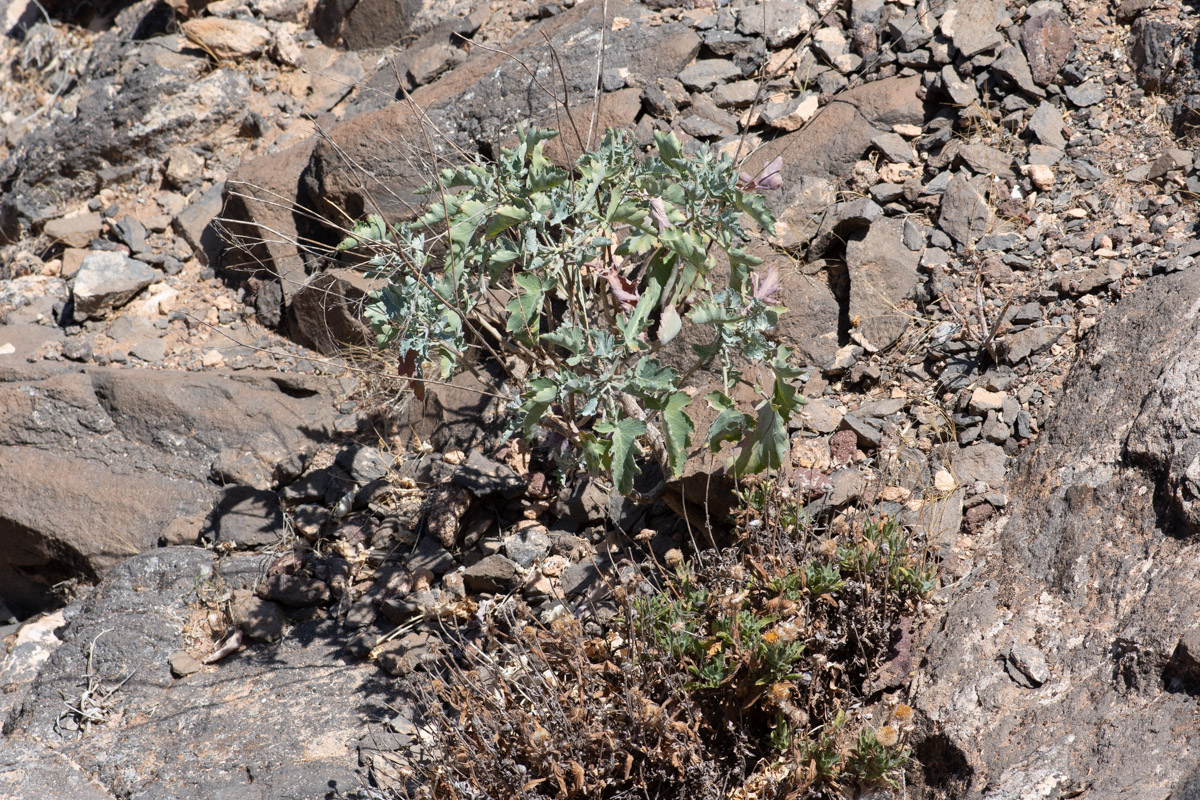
587	276
877	756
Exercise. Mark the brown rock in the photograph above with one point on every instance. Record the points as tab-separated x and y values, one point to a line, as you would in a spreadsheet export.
76	231
842	131
328	310
1048	42
227	39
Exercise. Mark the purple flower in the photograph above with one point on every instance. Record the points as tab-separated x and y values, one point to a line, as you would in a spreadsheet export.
769	177
766	287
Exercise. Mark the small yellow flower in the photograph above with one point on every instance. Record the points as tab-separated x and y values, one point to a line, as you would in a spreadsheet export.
887	736
903	712
771	637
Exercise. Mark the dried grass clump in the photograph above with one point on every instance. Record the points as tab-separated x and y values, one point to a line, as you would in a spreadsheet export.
744	676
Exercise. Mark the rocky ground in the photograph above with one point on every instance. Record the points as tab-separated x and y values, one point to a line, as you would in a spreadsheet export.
222	531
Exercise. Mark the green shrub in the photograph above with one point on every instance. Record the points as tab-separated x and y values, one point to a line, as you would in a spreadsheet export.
585	276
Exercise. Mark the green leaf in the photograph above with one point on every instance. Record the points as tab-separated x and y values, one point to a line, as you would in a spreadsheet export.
526	306
568	337
677	429
650	378
541	395
637	321
623	450
670	149
374	229
766	445
503	218
730	423
669	324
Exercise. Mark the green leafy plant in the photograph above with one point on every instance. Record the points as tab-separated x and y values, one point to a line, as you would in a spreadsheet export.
587	276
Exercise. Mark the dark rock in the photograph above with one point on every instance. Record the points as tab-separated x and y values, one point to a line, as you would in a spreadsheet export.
195	224
1086	94
483	477
707	73
1094	518
778	21
1015	347
868	434
1013	65
965	213
1046	125
1154	52
495	574
908	33
246	517
109	280
883	277
364	463
1130	10
501	94
840	221
327	310
429	554
984	160
448	505
1048	42
296	591
975	26
363	24
980	463
140	605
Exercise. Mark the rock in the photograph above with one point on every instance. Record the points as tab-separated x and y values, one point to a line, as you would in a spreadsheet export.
448	506
75	231
984	160
973	26
980	463
195	225
296	591
1048	42
261	210
1015	347
185	167
476	105
792	114
108	280
1027	665
1154	52
483	477
1130	10
894	148
246	517
327	310
1046	125
821	416
839	136
983	401
1013	65
227	39
140	605
839	221
778	21
707	73
365	24
526	546
427	64
1041	176
883	277
494	574
366	464
183	664
965	213
961	93
1086	94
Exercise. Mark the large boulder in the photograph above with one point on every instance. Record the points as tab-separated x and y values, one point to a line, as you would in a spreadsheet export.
95	465
1065	660
277	720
